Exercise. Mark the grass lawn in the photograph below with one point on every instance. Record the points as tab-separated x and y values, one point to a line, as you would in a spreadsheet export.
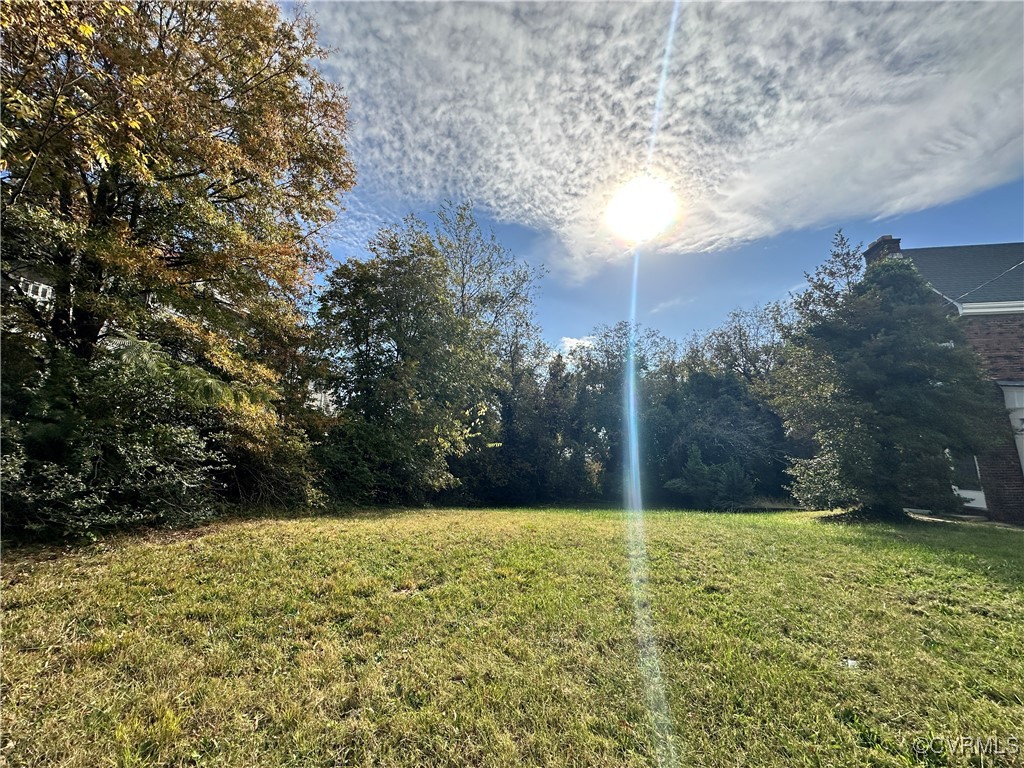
505	638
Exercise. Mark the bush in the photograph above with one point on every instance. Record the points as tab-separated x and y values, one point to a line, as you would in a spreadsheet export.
712	486
105	445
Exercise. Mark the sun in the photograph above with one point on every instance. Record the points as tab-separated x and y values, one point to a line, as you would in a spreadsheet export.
642	209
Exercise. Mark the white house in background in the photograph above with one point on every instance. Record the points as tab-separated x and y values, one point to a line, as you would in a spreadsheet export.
33	285
37	288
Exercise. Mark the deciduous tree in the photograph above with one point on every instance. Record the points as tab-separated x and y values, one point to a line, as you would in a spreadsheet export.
168	168
409	377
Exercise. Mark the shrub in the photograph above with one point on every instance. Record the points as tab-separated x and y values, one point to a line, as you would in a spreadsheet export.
106	445
712	486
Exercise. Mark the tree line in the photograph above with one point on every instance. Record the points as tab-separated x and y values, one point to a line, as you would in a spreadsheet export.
169	172
854	393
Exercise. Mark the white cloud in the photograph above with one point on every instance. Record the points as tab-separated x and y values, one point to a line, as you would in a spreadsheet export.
800	287
670	304
568	343
776	116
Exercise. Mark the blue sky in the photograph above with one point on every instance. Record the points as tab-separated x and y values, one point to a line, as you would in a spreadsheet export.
780	124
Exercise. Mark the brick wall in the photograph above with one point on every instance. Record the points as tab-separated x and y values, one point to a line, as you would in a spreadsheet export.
1003	483
999	340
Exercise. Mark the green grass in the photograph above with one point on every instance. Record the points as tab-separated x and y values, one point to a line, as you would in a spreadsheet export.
505	638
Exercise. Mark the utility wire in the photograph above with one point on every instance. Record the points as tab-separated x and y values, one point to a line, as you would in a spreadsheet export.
988	281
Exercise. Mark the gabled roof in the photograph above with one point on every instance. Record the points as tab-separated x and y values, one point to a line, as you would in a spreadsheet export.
973	274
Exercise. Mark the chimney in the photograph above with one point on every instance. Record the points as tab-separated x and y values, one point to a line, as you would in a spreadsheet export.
886	245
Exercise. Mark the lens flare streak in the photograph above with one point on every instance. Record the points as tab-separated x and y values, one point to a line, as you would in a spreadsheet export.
636	550
660	97
647	644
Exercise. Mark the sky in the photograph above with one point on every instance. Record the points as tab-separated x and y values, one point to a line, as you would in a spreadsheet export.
779	124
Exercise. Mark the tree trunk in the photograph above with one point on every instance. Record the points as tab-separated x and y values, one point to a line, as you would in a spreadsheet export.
887	499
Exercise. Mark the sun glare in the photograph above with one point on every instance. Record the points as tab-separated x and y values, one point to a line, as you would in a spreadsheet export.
642	209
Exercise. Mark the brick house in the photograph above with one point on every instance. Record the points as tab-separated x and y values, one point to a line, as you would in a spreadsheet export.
984	286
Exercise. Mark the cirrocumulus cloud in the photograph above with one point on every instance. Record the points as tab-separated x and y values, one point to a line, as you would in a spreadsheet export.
775	116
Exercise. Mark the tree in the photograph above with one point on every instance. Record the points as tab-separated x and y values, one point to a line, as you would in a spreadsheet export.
492	292
829	285
714	486
487	283
713	442
409	376
881	382
436	357
599	370
120	441
508	458
747	345
183	153
168	169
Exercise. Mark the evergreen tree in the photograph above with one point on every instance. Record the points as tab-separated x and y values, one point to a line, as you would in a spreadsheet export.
738	440
881	382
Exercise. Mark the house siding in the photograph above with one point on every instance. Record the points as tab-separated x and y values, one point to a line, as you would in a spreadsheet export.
1004	486
999	341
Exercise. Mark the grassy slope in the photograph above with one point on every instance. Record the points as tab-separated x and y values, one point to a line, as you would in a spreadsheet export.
505	638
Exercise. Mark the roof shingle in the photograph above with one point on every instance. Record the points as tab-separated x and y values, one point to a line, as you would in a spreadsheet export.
970	274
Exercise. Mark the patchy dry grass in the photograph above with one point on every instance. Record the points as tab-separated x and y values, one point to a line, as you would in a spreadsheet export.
505	638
